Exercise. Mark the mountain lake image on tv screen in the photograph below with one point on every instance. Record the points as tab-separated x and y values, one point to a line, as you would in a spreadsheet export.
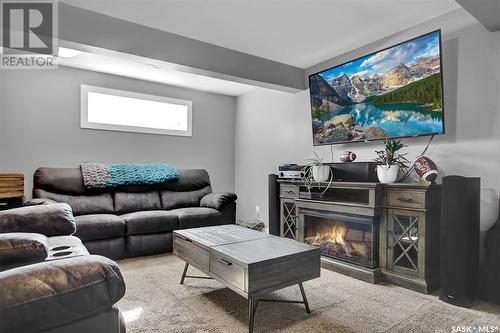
391	93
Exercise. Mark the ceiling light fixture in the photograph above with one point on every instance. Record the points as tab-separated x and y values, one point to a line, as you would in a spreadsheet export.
67	53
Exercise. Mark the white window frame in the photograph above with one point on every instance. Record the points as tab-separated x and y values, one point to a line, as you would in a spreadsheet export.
84	123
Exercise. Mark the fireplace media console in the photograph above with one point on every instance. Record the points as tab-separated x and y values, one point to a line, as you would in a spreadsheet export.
371	231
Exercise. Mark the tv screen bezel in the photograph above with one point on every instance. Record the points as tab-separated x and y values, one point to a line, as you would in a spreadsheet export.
369	54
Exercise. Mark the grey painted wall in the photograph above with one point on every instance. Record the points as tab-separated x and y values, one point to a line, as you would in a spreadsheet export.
40	126
274	127
271	129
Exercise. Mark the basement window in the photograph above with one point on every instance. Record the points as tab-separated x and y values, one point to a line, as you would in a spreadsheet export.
125	111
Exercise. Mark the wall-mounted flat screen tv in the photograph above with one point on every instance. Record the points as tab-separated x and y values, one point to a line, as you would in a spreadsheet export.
393	93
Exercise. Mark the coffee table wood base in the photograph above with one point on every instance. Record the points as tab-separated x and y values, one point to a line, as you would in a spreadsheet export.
253	302
184	275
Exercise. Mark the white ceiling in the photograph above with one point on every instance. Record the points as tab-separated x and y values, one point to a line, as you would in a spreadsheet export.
127	65
296	32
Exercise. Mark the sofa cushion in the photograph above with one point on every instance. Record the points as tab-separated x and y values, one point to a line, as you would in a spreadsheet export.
81	204
113	248
49	220
218	200
150	222
39	201
21	248
69	181
145	245
109	320
99	226
59	180
192	217
126	202
189	180
58	292
174	199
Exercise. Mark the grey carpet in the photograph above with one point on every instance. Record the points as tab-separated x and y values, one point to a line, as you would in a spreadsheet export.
156	302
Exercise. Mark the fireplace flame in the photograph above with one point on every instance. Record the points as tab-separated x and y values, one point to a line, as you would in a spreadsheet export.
342	242
336	236
338	233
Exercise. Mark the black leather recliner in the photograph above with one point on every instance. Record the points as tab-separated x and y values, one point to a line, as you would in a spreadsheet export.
133	221
48	280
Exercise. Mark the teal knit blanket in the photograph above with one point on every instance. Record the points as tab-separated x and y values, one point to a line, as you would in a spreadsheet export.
97	175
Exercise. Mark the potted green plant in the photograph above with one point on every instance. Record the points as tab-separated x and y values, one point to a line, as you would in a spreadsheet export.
319	171
390	161
316	172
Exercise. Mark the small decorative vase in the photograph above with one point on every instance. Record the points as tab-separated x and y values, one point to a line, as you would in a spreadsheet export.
387	174
321	173
347	156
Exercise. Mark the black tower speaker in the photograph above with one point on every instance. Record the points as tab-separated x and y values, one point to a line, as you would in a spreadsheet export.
274	205
491	270
460	240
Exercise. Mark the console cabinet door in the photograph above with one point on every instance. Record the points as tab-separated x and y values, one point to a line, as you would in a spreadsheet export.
289	218
405	242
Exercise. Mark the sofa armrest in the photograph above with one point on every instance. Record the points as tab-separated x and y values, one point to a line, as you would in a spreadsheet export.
39	201
19	248
49	220
218	200
51	294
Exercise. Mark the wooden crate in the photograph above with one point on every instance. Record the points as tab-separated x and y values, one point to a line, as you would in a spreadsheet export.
11	185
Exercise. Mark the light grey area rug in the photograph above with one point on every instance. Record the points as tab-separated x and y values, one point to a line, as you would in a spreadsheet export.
156	302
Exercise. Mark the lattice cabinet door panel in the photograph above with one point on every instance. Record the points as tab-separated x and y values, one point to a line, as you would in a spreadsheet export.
405	242
289	219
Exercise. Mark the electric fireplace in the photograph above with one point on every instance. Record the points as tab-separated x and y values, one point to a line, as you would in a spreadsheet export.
347	237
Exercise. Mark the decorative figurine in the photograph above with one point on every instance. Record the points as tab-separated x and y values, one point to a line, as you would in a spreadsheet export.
347	156
426	169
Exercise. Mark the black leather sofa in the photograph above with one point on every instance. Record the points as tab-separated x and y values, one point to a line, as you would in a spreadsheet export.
134	220
48	281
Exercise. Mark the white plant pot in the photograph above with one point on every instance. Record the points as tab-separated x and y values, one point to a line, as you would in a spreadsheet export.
387	174
321	173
